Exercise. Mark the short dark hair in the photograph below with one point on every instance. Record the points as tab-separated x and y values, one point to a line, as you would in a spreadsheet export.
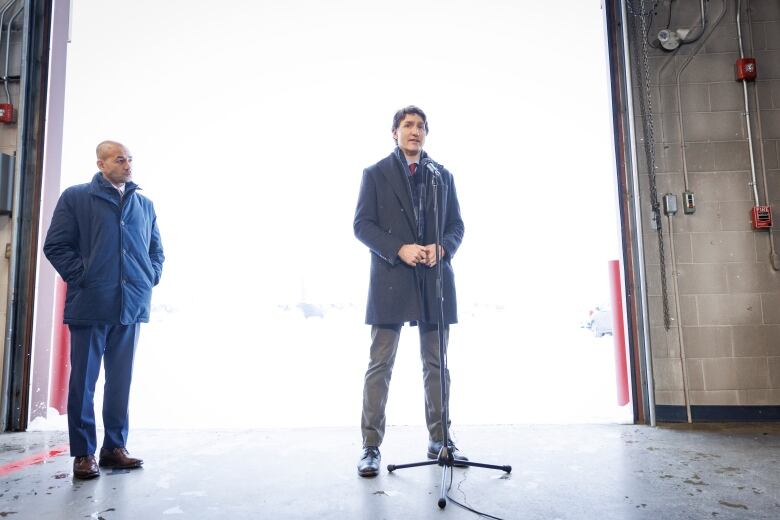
405	111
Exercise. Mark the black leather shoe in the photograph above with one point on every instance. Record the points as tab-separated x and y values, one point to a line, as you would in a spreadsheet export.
85	467
118	458
369	462
434	447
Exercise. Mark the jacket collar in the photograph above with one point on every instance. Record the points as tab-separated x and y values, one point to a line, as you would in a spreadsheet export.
402	158
105	190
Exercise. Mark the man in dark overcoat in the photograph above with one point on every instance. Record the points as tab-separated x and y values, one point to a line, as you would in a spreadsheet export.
104	242
395	220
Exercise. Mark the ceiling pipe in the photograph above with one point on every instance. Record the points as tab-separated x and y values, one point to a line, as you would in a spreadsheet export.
679	97
8	52
703	24
774	258
5	9
680	335
754	181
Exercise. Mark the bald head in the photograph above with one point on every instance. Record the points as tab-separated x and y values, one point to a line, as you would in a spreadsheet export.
115	162
106	147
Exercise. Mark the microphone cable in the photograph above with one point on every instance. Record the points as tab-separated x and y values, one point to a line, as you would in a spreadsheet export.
464	506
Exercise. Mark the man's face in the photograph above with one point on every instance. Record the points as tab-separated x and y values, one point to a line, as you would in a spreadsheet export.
116	165
410	135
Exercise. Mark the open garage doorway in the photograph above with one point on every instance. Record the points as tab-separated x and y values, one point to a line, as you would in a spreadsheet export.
250	124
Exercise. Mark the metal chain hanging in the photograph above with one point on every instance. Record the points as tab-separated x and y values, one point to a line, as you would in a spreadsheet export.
649	144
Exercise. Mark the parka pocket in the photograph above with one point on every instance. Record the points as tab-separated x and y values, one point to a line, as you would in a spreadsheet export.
82	278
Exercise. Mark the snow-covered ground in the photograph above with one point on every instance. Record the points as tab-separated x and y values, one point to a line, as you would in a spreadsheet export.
281	368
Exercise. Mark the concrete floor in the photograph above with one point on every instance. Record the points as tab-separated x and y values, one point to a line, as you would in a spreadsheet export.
560	472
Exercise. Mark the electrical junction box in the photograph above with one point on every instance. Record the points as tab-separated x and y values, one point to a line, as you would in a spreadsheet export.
689	203
670	204
746	69
761	217
6	113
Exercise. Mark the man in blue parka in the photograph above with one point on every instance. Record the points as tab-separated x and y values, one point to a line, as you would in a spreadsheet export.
104	242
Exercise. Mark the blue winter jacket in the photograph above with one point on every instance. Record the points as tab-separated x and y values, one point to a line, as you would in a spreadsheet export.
107	250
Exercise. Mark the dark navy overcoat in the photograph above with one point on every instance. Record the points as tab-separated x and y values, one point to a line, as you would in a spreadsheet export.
384	221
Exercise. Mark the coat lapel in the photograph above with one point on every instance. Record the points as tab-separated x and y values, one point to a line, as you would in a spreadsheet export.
395	178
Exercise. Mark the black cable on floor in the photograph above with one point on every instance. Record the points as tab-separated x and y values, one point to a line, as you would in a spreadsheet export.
464	506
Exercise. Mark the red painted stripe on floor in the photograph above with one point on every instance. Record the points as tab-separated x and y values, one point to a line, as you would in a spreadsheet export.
34	459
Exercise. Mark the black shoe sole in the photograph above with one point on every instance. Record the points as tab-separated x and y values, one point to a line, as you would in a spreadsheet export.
368	472
88	476
110	465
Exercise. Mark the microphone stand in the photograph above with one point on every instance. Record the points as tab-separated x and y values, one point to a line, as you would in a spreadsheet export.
445	458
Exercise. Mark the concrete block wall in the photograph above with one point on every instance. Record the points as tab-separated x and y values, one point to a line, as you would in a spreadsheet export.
729	292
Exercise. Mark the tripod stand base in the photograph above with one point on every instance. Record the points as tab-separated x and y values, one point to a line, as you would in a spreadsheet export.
446	460
504	468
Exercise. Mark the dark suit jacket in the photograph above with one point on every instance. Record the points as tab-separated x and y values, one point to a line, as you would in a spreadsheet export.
384	221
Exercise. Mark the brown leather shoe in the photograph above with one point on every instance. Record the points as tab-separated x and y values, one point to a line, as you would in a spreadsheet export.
85	467
118	458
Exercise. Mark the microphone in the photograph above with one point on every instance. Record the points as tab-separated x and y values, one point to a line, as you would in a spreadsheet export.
431	166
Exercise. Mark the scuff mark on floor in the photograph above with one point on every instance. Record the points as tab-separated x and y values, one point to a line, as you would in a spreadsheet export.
729	470
733	505
695	480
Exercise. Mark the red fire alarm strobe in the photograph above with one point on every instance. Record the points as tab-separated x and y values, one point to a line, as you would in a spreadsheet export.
761	217
746	69
6	113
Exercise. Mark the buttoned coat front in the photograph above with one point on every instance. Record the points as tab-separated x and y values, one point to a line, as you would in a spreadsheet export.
108	250
384	221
